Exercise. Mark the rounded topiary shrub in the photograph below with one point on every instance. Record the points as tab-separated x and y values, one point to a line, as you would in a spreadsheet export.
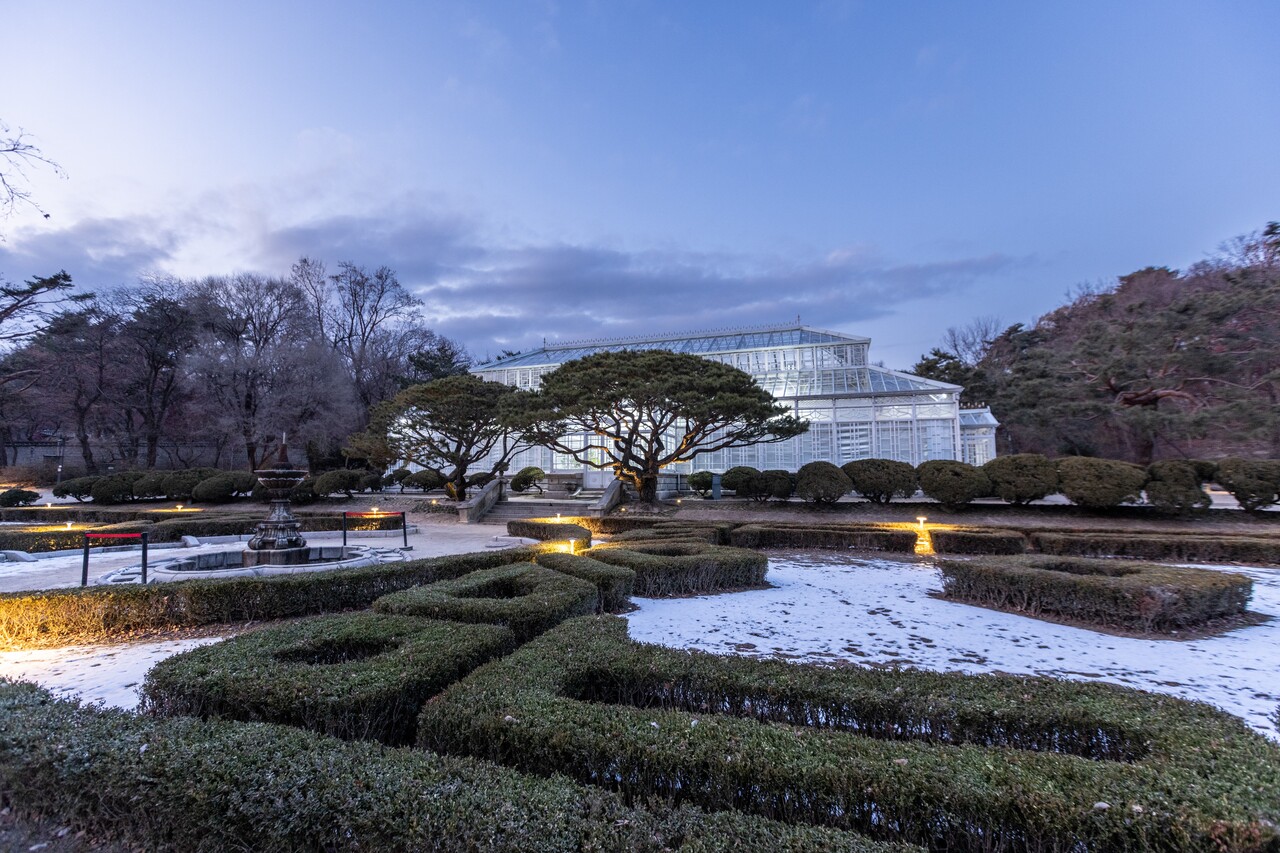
343	481
115	489
18	497
776	484
881	480
215	490
1175	486
425	480
1022	478
822	483
396	478
951	483
80	488
740	480
1099	483
150	485
527	478
701	482
178	485
1254	483
370	481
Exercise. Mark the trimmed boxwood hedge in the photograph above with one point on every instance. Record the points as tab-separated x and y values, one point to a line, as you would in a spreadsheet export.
58	617
866	537
525	597
356	676
1134	596
175	785
685	568
956	762
978	541
546	531
613	583
1159	546
39	542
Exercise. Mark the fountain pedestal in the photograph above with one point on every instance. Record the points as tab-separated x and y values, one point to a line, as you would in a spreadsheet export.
277	540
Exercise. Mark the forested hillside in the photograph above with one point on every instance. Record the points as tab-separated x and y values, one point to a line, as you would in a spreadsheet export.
1161	364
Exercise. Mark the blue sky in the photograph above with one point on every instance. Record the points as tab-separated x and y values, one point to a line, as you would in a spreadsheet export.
573	169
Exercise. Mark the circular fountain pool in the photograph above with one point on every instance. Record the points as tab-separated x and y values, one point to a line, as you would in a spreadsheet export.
231	564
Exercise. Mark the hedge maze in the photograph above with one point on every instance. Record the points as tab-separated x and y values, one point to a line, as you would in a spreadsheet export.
487	702
359	675
951	762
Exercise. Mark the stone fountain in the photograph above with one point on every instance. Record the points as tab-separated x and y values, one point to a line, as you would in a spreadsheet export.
277	540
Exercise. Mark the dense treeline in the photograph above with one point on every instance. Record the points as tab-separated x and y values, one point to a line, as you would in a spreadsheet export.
211	372
1161	364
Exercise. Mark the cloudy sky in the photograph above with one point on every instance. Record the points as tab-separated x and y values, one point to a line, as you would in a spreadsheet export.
578	169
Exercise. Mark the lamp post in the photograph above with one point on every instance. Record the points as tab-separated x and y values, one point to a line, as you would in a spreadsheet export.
62	456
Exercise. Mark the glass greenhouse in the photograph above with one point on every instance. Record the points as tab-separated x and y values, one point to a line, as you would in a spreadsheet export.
855	409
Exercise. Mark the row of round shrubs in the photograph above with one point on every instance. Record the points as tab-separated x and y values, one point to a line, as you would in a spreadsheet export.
211	485
1174	485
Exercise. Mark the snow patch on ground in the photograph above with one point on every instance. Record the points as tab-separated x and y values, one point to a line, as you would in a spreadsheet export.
829	608
107	674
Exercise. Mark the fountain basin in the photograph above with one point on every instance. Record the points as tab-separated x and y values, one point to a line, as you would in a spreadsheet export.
231	564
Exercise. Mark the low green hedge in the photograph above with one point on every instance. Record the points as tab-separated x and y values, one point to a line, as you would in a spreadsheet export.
525	597
1160	546
1134	596
685	568
39	542
356	676
860	537
978	541
613	583
955	762
681	533
62	616
546	531
175	785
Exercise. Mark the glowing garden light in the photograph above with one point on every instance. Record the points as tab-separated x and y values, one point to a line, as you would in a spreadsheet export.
922	519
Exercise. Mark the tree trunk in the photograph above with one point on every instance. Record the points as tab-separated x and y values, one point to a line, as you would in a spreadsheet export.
648	488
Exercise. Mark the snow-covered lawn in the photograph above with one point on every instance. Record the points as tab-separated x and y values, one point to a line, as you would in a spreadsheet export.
827	607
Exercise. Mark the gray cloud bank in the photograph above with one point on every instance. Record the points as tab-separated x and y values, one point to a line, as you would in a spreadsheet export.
493	296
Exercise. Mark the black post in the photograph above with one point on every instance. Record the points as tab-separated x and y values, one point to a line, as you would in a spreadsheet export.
404	526
144	557
344	528
84	570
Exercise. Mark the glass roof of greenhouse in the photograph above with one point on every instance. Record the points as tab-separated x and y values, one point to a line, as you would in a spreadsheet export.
977	417
696	343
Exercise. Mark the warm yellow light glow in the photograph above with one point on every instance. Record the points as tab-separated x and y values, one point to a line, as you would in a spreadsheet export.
573	546
557	516
434	501
68	525
48	506
179	507
922	519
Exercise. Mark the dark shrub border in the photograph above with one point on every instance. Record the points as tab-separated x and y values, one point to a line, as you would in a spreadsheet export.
546	531
685	568
860	537
1134	596
61	616
221	785
978	541
613	583
1155	546
957	762
355	676
525	597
